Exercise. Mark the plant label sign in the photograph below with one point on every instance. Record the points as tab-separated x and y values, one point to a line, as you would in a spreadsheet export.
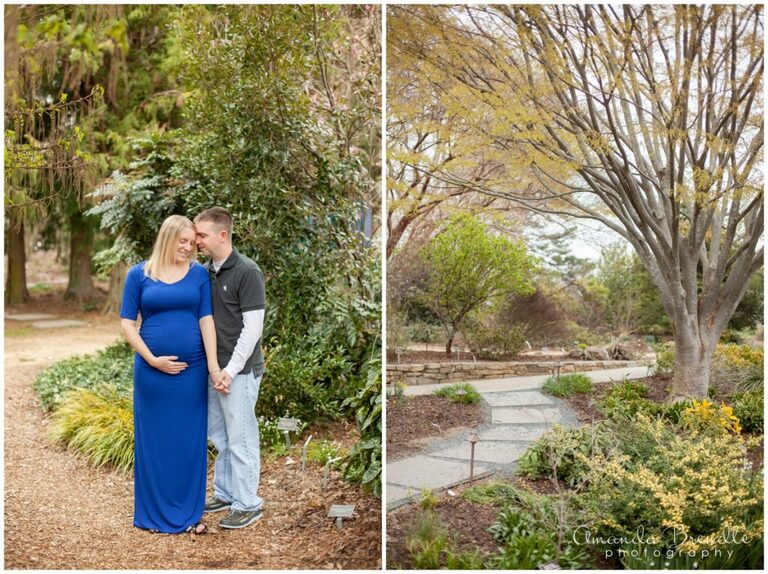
288	425
341	511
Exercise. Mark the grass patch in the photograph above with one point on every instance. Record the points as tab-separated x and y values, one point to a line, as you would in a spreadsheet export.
18	331
41	288
97	424
567	385
496	493
462	393
431	548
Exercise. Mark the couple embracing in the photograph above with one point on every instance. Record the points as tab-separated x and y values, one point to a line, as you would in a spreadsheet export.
196	375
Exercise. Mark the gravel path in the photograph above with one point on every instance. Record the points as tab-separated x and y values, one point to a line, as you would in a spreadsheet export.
61	513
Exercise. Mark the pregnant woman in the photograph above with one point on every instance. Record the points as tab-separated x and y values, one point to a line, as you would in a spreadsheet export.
175	351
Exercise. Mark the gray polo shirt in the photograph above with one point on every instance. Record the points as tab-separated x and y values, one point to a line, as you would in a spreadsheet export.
236	288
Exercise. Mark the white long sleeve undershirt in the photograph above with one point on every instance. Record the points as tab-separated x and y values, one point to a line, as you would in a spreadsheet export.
253	325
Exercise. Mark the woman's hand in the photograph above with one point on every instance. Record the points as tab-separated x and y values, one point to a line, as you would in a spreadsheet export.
168	364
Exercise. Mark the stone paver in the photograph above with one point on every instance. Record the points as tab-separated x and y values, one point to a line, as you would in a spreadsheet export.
421	472
517	399
396	494
29	317
514	432
523	415
59	323
499	452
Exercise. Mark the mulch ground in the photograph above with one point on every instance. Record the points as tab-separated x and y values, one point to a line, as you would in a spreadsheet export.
465	522
62	513
412	421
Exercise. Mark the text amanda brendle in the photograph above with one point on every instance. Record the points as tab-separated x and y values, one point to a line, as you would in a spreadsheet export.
584	536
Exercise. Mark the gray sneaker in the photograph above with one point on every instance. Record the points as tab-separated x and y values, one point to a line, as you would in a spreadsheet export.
240	518
214	504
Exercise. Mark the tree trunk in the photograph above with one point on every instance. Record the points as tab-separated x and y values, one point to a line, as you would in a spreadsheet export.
448	346
16	285
693	360
80	286
115	297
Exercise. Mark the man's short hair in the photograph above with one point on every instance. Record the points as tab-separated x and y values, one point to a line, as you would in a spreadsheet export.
219	216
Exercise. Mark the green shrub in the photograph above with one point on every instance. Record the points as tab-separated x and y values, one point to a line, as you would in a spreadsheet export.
471	396
565	453
321	451
112	366
567	385
674	412
527	542
748	408
363	465
624	400
98	425
687	485
495	341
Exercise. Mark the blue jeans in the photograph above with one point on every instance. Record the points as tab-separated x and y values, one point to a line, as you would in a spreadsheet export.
234	431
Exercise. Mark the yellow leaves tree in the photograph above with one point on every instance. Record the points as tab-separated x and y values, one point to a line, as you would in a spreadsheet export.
648	119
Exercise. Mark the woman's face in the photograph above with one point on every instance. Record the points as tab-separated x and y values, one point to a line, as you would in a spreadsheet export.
184	246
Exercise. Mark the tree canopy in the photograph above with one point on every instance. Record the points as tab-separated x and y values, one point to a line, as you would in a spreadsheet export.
648	119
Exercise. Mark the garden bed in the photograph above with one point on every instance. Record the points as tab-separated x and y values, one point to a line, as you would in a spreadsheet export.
411	422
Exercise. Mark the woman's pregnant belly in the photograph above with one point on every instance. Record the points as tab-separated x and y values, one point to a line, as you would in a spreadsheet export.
174	334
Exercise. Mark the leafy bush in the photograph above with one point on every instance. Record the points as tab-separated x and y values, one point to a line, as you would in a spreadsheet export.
470	396
706	418
363	464
748	408
525	544
565	453
567	385
113	366
683	485
624	400
322	451
495	341
97	424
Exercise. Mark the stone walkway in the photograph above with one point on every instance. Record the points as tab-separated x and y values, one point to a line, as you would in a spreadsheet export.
516	413
45	321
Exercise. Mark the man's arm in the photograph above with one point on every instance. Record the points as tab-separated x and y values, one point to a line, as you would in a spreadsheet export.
253	325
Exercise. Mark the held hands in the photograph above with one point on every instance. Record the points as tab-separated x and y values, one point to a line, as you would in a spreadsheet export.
169	364
221	381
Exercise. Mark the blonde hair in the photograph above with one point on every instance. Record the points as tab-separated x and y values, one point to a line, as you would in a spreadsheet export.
165	245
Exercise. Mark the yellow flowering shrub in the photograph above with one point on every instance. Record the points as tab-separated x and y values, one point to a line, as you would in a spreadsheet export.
706	417
690	492
737	368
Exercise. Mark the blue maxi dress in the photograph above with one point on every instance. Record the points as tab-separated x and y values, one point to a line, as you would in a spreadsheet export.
169	411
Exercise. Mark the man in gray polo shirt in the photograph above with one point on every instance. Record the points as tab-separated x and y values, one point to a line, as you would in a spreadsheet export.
237	294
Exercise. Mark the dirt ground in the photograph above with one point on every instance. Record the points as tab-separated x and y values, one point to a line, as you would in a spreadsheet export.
412	421
61	513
